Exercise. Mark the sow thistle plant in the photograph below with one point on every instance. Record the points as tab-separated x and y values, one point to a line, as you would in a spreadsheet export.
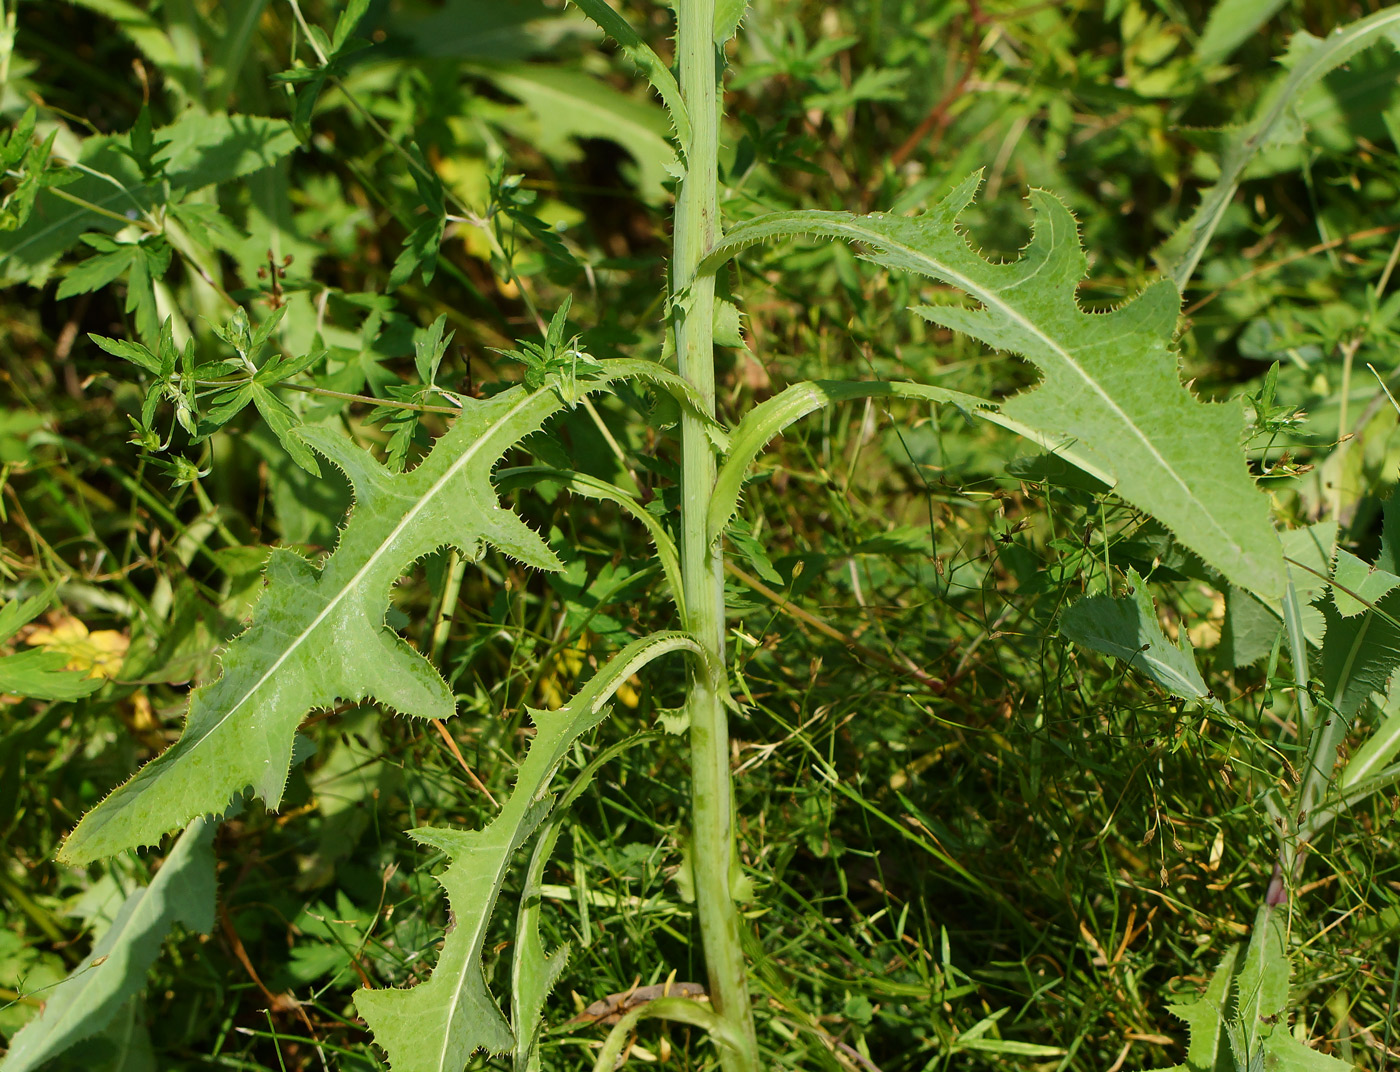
1109	401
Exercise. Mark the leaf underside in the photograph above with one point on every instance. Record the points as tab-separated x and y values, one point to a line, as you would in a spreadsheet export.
1111	386
1127	629
318	636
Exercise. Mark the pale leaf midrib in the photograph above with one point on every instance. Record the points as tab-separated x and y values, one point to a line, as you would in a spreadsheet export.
991	297
452	470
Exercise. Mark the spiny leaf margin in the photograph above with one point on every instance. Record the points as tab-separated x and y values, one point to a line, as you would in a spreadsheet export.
1110	380
437	1026
318	637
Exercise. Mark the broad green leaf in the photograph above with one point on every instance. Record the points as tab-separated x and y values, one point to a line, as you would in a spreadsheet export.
648	62
437	1026
571	104
769	418
182	891
1308	59
1261	986
1231	24
1127	629
1111	385
318	636
202	150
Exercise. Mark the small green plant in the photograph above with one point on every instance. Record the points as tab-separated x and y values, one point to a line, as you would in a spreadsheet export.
1109	402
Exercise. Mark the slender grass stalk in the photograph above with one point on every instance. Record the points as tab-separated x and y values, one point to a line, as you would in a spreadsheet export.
702	570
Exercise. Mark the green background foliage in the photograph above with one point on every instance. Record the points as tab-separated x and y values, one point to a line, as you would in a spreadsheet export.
239	235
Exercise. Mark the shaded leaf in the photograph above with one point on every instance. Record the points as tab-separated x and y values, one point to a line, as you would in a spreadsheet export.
1127	629
84	1003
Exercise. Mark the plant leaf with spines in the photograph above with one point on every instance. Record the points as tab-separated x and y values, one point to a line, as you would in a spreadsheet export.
437	1026
1239	1023
318	635
533	972
182	891
1111	383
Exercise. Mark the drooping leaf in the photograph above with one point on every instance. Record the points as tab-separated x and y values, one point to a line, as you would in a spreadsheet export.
84	1003
437	1026
534	972
1127	629
1308	59
318	635
1110	385
770	417
648	62
591	487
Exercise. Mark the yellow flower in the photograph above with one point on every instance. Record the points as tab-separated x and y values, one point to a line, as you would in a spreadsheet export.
100	653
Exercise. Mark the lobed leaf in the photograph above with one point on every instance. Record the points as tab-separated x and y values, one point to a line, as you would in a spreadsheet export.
437	1026
318	635
1111	385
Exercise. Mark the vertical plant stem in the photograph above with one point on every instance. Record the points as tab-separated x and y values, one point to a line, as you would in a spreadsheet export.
712	837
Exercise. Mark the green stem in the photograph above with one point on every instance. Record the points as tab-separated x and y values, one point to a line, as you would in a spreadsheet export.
712	837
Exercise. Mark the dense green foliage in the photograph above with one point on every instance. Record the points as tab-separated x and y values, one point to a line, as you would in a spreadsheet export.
428	244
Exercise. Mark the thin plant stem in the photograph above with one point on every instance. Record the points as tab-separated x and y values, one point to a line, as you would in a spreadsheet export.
702	568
